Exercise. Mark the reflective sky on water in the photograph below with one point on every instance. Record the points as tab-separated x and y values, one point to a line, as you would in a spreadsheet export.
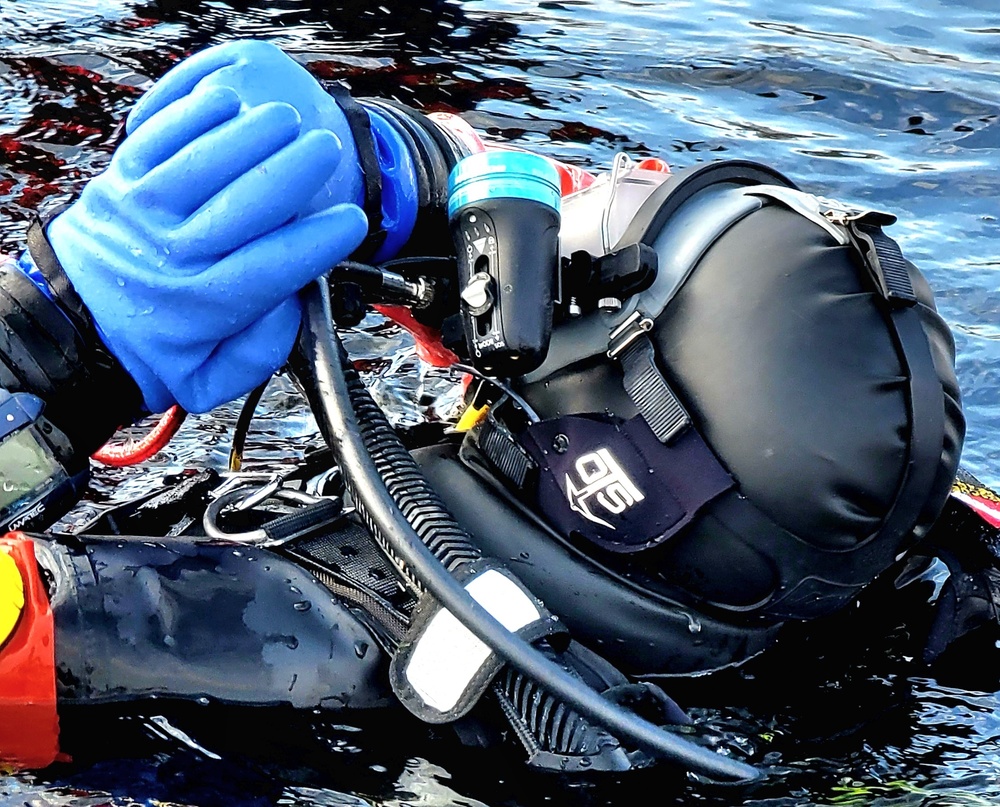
892	104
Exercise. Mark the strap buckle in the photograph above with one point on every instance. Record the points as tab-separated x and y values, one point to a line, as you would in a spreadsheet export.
842	214
632	328
662	410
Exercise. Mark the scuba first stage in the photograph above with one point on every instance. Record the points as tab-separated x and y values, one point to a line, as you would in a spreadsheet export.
658	360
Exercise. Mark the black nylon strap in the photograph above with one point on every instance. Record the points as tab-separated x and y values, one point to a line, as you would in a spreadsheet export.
349	553
70	303
360	126
506	454
84	371
48	264
303	521
925	396
42	352
886	262
650	392
927	419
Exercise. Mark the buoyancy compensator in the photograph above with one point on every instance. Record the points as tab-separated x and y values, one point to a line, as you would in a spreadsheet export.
747	411
473	617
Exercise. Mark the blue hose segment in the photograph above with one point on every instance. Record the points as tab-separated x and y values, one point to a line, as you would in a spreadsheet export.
502	175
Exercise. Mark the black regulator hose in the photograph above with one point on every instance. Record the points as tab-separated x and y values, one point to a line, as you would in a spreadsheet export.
327	375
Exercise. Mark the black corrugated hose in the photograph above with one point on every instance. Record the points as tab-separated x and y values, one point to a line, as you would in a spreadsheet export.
362	440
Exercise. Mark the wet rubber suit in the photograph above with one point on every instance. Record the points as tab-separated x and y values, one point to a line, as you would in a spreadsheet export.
171	281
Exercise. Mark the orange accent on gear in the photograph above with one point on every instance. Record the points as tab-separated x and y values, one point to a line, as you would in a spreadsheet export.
29	725
654	164
428	340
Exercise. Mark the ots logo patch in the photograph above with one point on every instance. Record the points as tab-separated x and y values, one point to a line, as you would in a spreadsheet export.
603	484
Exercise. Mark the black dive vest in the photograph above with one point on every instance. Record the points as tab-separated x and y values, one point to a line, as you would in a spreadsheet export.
803	353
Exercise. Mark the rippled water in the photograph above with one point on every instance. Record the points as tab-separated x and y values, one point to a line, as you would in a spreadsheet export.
894	104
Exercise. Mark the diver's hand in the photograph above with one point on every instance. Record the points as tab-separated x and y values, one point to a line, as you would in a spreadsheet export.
190	248
259	73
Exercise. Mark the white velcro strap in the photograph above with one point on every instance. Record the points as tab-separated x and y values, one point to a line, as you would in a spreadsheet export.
447	657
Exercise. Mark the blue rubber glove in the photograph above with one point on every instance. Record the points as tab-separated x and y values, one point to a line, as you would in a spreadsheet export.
189	250
260	72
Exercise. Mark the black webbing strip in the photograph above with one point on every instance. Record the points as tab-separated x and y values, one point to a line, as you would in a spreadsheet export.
650	391
361	130
925	395
69	302
886	262
51	269
927	421
304	520
506	455
87	371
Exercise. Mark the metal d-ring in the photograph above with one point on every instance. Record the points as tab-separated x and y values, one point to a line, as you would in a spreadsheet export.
239	499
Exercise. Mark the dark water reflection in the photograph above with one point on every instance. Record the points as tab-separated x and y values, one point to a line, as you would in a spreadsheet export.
892	103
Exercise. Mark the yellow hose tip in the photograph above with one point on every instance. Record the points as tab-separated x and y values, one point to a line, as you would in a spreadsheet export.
471	417
11	596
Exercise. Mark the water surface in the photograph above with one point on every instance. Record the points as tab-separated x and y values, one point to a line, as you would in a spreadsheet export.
890	104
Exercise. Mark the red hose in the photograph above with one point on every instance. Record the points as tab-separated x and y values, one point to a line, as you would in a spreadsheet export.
130	452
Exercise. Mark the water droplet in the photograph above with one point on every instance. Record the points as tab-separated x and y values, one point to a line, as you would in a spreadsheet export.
302	606
361	648
291	642
694	626
202	701
169	640
120	280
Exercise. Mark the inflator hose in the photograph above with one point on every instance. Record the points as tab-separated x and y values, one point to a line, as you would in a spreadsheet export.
327	375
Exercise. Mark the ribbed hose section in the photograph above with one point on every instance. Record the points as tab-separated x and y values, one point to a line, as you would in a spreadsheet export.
408	487
552	725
